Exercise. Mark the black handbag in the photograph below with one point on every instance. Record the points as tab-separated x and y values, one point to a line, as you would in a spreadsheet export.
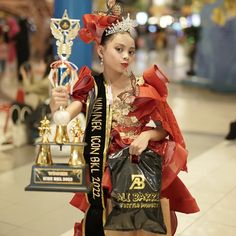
136	192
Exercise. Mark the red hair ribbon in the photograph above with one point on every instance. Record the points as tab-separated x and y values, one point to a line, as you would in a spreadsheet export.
94	26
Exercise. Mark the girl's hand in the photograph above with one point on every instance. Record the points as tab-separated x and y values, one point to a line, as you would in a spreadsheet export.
59	98
139	144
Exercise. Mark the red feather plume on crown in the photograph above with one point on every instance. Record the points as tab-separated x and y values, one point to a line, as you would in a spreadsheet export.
94	26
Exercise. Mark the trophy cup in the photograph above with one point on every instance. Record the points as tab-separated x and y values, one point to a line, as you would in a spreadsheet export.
74	175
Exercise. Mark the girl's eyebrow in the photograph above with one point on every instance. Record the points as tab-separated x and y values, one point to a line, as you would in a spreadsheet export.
123	45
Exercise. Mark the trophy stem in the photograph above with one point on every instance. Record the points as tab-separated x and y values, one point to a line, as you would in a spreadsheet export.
61	135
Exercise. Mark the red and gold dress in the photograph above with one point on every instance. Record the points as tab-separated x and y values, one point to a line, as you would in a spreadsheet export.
139	108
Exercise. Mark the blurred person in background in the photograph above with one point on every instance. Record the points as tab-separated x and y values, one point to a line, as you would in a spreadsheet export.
35	83
171	43
3	47
232	131
192	35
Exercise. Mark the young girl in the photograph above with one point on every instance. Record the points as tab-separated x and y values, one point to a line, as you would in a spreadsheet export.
126	111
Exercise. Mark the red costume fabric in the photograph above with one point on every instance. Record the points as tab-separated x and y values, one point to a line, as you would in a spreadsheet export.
84	84
146	103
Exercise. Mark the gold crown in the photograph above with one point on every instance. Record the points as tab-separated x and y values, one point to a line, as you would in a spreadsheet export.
125	25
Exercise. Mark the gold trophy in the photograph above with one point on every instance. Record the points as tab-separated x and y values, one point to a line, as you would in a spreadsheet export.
71	176
44	155
60	177
76	155
63	72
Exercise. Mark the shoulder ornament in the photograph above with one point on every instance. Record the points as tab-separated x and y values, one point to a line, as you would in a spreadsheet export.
140	81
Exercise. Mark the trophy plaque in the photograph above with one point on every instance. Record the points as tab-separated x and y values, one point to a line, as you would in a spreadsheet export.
74	175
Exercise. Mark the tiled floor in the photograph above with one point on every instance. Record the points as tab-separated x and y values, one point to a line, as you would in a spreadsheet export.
203	116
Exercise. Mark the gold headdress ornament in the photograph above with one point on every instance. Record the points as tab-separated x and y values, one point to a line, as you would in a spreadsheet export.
109	21
125	25
121	25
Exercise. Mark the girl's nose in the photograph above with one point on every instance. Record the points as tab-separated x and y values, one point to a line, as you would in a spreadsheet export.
125	56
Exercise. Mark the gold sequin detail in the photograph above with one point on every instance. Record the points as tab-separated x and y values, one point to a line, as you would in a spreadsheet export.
129	134
123	105
120	116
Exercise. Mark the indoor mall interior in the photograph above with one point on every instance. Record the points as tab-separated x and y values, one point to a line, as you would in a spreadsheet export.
192	42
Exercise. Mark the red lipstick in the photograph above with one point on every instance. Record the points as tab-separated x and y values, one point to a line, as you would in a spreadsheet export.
125	65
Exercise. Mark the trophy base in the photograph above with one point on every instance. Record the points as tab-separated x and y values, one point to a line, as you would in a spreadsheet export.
59	178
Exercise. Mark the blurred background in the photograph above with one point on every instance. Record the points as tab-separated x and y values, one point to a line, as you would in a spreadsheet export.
198	35
194	44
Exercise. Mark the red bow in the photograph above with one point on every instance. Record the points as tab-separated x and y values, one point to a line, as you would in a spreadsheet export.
94	26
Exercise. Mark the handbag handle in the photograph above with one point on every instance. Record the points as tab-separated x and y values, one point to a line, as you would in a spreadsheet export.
134	159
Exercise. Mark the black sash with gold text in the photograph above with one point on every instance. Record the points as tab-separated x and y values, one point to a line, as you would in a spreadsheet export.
95	156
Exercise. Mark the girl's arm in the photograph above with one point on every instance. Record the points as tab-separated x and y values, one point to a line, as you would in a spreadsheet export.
74	108
59	98
141	142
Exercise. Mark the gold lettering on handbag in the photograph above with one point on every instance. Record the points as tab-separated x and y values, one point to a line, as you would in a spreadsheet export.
138	182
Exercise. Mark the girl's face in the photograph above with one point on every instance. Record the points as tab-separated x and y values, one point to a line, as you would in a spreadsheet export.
118	52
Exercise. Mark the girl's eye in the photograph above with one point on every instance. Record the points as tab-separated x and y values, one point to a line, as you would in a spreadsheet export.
119	49
131	53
